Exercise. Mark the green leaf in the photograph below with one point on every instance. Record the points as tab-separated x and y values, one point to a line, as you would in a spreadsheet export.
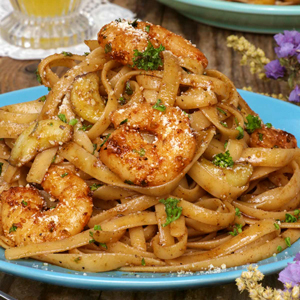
128	182
241	132
43	99
97	227
147	28
94	148
105	140
67	53
63	118
172	210
290	219
91	233
134	23
128	89
277	226
260	136
141	153
223	160
279	248
103	245
225	145
64	175
143	262
159	106
268	125
252	124
91	241
24	203
73	122
149	59
237	212
288	241
38	76
53	159
122	100
85	127
124	121
13	228
221	111
224	124
107	48
95	186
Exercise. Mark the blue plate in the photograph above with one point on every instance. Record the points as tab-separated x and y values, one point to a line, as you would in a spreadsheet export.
239	16
281	114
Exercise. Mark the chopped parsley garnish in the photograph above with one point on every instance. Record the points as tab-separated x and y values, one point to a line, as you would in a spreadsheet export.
49	89
172	210
223	160
288	241
237	212
236	230
95	186
91	241
221	111
117	20
128	89
67	53
107	48
91	233
13	228
143	262
296	212
50	124
103	245
159	106
1	165
279	248
53	159
149	59
290	219
62	117
38	76
134	23
277	226
77	260
128	182
85	127
225	145
260	136
241	132
122	100
97	227
24	203
124	121
147	28
43	99
141	152
223	124
64	175
105	140
86	53
73	122
94	148
269	125
252	124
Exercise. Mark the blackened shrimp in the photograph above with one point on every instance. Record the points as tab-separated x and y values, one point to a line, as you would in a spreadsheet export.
149	163
24	219
272	138
121	38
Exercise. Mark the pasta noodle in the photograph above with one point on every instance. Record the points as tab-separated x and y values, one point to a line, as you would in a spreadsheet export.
158	165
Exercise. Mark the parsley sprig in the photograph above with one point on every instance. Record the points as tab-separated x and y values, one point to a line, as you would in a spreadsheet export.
149	59
252	124
159	106
223	160
172	210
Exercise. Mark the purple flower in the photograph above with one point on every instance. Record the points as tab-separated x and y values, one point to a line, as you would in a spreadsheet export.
274	69
291	274
295	97
297	257
288	43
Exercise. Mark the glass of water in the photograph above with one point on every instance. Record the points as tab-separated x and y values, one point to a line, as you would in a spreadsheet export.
46	24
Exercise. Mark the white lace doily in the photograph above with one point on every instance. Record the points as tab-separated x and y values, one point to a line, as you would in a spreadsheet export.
102	13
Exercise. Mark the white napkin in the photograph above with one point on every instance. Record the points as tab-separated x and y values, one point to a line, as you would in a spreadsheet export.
102	13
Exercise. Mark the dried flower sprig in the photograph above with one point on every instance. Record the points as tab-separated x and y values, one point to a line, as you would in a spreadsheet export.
252	56
249	282
285	68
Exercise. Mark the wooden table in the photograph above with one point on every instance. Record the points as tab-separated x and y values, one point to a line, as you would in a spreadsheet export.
16	75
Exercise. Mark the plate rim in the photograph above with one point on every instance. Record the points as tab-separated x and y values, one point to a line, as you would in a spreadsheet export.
293	10
128	283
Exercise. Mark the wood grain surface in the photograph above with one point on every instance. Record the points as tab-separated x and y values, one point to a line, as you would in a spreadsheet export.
16	74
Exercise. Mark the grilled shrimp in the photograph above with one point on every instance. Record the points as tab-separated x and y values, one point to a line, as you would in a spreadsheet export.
143	162
24	220
269	138
39	136
121	38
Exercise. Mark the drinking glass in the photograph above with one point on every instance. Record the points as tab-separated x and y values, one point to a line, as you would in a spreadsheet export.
46	24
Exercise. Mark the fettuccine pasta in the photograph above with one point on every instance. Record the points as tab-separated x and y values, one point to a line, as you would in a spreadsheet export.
141	159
